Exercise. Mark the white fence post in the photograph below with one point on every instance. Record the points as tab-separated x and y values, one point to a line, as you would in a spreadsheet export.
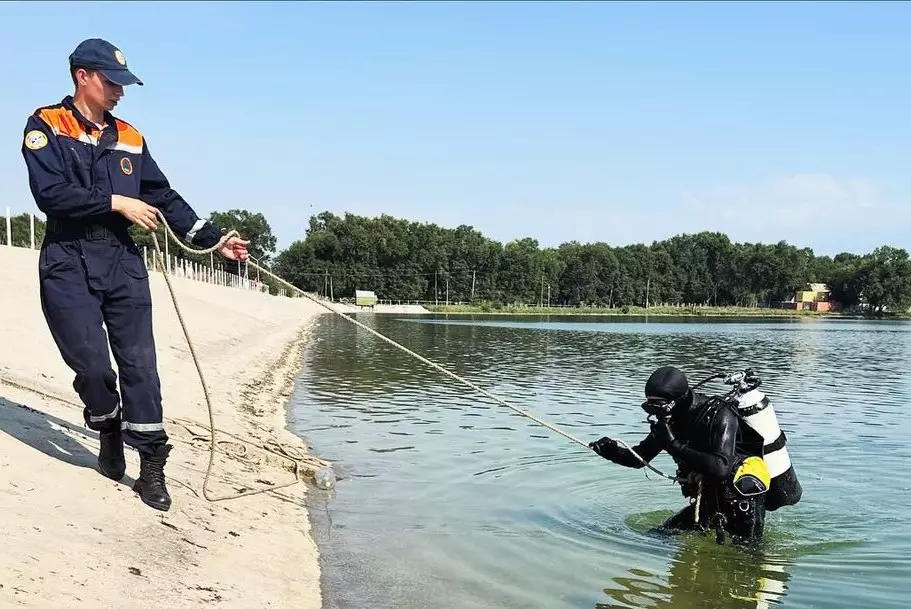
9	228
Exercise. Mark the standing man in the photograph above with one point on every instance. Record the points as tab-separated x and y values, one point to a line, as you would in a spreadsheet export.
93	177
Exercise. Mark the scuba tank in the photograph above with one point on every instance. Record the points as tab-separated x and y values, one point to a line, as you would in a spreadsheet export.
756	412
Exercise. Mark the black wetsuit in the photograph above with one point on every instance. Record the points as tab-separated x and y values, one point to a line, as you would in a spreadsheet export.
707	443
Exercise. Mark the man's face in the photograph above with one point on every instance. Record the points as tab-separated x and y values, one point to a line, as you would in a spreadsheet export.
98	90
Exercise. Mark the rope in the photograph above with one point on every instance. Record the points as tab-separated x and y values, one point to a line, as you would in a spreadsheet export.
289	453
205	389
435	366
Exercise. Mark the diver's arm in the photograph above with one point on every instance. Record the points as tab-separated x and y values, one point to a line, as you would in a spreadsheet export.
719	463
648	449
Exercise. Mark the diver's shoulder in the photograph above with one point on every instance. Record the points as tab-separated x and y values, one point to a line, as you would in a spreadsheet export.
701	398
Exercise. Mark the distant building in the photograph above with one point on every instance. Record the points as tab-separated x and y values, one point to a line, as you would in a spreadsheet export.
364	298
814	298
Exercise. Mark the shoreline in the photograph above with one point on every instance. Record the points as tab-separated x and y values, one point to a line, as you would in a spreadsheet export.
687	312
255	551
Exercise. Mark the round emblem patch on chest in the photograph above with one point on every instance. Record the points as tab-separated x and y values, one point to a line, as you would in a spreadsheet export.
35	140
126	166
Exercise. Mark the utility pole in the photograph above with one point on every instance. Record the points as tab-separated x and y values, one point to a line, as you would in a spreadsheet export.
473	274
436	290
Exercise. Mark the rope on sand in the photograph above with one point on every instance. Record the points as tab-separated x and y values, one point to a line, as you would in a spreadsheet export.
435	366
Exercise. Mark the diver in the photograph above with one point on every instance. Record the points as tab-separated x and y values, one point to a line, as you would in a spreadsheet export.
720	465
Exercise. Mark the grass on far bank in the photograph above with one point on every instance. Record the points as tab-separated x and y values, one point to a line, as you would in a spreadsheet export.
698	311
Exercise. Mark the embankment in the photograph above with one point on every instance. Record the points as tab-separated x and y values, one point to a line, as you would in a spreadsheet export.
72	538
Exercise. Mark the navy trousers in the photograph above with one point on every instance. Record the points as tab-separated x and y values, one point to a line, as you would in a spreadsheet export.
89	284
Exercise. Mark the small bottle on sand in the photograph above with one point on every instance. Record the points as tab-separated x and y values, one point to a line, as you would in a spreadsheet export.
325	478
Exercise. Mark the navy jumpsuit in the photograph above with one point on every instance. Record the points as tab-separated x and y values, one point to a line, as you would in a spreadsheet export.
92	275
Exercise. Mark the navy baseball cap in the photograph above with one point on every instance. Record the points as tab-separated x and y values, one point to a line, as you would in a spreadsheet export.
101	55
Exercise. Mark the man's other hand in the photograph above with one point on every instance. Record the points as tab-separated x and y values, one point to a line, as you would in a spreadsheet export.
135	211
235	248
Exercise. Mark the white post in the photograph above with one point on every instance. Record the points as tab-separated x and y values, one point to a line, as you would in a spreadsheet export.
9	228
31	222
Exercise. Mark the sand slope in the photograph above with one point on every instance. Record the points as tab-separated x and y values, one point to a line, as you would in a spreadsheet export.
72	538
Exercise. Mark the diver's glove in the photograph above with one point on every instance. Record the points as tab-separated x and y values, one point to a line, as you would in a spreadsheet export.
661	430
607	448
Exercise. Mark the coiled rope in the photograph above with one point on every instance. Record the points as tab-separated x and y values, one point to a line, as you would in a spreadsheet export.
434	365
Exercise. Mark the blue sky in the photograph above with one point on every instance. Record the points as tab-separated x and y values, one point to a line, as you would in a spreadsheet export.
610	122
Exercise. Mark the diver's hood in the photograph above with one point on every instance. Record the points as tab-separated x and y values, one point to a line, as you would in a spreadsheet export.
668	383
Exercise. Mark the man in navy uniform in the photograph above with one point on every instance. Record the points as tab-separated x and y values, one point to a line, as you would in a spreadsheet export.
93	177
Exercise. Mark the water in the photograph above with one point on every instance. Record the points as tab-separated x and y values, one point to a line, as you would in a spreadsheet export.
446	499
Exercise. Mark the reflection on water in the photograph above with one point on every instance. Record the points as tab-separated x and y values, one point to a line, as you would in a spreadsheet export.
449	499
702	574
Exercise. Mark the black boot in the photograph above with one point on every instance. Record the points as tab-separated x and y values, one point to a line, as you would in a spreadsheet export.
151	483
110	455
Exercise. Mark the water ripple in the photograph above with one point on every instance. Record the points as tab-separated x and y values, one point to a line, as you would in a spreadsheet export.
479	507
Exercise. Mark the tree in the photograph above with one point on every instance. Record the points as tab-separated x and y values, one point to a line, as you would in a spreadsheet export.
886	280
252	227
21	230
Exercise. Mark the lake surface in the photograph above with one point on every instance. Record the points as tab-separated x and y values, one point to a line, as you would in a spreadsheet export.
449	500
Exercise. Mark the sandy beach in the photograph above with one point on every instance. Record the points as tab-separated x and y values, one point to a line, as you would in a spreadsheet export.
72	538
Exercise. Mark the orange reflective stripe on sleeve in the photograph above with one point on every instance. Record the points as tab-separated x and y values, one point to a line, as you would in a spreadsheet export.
128	138
62	122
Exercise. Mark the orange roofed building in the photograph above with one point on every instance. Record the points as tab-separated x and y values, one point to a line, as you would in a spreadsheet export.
814	298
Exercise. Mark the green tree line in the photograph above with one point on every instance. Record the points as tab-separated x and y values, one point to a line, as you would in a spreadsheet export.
400	259
404	260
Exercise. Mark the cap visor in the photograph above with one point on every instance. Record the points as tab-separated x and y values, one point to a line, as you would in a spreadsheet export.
121	77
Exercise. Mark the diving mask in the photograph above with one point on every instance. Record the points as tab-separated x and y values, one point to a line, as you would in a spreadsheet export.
660	408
